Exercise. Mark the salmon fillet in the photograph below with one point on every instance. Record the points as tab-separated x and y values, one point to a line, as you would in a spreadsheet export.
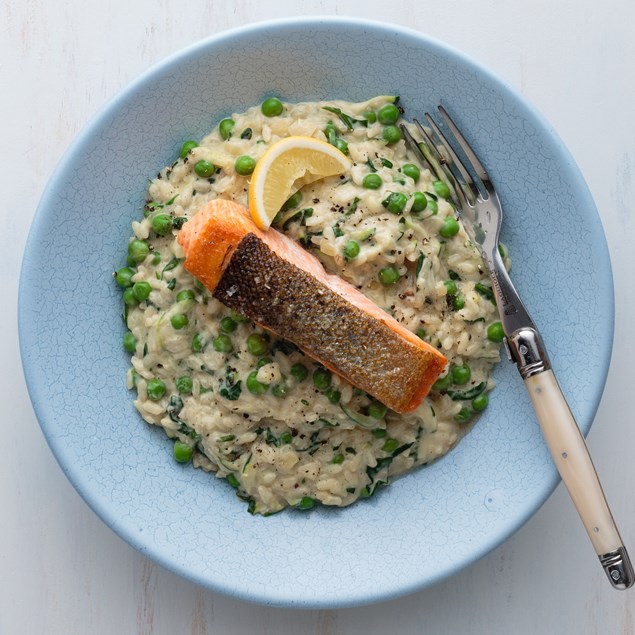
274	281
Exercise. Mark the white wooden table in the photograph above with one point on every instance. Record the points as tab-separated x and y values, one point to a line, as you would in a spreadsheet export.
61	570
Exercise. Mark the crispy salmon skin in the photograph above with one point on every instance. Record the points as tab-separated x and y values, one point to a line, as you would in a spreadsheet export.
274	281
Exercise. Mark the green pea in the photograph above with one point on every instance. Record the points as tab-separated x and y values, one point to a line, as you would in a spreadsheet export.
411	170
443	383
179	321
390	445
280	390
204	168
391	134
239	317
419	202
441	189
388	275
184	385
322	378
245	165
299	372
395	202
185	294
228	325
351	250
388	114
464	415
222	344
495	332
156	389
162	224
458	302
377	410
187	147
502	250
379	433
433	206
182	452
141	290
450	287
254	386
129	342
198	343
129	298
225	127
372	181
461	374
306	503
263	361
138	250
156	258
293	201
123	276
333	396
370	116
421	333
338	458
286	437
450	227
271	107
256	344
480	402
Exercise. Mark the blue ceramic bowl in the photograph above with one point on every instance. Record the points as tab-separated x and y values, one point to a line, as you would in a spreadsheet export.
425	526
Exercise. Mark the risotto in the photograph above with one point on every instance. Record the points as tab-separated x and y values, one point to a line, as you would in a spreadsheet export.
240	402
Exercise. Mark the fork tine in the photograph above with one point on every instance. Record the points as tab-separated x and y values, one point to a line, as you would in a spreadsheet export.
427	158
480	171
462	195
438	161
455	167
414	146
455	158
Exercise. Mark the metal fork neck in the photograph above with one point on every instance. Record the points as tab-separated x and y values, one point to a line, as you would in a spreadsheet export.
526	348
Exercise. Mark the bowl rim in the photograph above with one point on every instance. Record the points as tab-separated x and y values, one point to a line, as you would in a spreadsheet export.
111	107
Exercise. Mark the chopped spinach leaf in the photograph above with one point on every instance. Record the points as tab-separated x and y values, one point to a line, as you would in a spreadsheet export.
420	260
171	265
486	291
352	207
231	390
464	395
347	120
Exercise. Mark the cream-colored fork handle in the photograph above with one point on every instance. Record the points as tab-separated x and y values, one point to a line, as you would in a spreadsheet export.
573	461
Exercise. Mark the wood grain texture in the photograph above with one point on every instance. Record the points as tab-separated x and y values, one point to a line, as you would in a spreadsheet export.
63	571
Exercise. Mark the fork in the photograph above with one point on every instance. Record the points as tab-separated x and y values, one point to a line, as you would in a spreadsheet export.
478	206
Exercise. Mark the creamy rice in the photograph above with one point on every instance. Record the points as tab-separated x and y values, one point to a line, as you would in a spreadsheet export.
295	444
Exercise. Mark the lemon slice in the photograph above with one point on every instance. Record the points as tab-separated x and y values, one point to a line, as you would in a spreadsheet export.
285	167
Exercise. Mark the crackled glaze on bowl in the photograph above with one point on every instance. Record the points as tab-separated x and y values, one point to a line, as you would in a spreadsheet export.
426	525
